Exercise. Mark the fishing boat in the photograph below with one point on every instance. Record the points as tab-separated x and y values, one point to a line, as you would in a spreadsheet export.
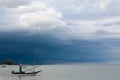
3	66
33	72
26	72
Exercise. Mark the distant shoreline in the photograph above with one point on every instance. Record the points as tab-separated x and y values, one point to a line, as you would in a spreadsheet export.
7	62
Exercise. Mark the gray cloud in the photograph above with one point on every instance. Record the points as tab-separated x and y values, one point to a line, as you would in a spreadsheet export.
88	16
92	9
13	3
60	30
25	47
109	24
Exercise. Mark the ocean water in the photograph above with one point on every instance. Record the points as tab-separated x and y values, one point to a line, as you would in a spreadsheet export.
67	72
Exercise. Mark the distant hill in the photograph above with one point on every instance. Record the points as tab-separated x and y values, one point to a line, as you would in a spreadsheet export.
7	62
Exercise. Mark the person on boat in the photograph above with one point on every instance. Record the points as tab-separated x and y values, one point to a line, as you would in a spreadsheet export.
12	71
20	69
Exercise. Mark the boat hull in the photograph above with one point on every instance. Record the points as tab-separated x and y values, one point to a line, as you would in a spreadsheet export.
29	73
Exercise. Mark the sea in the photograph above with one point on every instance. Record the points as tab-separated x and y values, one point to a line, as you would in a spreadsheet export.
65	72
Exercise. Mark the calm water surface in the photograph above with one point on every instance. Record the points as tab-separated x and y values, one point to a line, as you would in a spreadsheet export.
67	72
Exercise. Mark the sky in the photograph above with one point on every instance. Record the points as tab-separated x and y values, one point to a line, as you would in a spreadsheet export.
60	31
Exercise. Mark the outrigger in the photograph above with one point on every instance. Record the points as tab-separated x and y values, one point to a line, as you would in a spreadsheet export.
24	72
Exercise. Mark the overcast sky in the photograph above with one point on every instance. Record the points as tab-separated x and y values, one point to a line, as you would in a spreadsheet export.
66	21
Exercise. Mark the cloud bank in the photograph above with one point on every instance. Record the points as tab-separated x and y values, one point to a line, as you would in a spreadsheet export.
83	29
76	18
33	15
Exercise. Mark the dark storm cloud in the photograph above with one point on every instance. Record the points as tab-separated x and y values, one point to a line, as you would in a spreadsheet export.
46	49
29	48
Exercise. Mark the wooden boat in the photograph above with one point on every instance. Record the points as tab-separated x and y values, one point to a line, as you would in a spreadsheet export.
32	71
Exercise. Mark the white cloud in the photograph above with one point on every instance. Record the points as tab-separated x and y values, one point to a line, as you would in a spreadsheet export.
95	29
36	15
90	18
77	8
104	4
100	4
88	8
